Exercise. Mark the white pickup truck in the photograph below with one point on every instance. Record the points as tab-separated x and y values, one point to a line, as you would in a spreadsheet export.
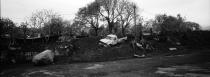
111	39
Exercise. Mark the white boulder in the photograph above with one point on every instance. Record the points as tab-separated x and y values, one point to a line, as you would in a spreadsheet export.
172	49
45	57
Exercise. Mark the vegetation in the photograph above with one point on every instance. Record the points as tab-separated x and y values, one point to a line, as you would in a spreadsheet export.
99	18
164	24
163	46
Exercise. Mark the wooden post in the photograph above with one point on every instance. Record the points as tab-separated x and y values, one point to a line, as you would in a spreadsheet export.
134	8
0	9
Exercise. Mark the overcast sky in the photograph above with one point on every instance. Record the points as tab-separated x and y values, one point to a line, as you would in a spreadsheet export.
194	10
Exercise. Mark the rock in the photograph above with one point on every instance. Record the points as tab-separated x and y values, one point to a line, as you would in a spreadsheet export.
172	49
45	57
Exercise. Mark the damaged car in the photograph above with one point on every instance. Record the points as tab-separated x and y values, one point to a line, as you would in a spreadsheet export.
111	40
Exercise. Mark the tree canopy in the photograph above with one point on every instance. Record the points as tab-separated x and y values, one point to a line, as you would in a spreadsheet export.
6	26
165	23
114	13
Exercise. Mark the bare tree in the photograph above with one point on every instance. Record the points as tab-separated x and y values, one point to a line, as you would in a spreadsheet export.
23	26
109	12
54	27
39	18
89	15
113	11
126	14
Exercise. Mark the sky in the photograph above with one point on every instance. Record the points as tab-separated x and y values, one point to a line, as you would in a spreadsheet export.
193	10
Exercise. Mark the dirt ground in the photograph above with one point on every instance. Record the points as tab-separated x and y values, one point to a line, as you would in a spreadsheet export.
174	64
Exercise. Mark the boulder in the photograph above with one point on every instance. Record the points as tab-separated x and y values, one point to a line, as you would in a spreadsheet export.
45	57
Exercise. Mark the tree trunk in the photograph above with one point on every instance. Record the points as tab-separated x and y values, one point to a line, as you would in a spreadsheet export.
96	31
97	25
123	31
110	27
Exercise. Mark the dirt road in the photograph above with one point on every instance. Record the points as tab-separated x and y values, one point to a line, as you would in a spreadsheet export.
176	65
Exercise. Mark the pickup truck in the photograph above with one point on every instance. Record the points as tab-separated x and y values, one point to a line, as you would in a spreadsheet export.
111	40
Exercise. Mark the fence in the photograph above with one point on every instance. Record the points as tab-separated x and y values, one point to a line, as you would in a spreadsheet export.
23	50
17	56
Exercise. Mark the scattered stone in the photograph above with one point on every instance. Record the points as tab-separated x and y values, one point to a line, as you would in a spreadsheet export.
95	66
184	71
42	72
172	49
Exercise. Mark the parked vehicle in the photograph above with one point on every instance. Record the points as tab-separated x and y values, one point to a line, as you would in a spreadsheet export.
111	40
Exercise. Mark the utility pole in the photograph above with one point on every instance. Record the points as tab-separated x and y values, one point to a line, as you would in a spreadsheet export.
97	23
134	8
0	9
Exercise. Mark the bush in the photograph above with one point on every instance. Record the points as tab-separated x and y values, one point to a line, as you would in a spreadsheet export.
90	51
